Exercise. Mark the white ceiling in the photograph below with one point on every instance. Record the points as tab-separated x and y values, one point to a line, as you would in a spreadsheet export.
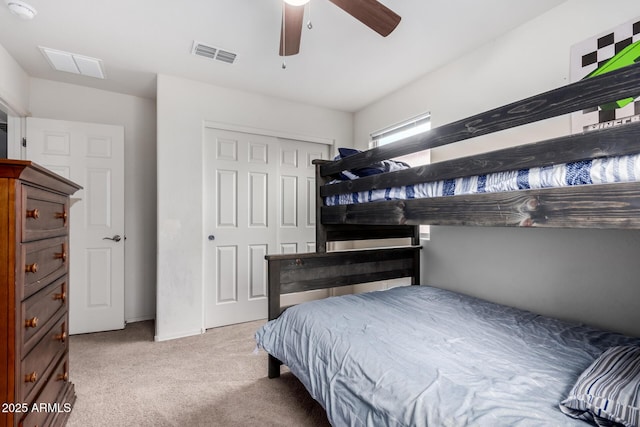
342	64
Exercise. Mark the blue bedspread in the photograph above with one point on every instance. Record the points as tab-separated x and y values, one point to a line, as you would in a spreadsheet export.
422	356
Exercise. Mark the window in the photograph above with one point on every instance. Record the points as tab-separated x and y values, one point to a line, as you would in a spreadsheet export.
414	126
400	131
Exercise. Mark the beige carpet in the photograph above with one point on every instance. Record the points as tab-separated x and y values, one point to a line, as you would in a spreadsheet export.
124	378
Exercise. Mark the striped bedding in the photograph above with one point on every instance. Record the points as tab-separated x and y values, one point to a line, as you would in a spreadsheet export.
594	171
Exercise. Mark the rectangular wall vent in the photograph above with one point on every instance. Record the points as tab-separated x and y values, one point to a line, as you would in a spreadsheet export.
225	56
215	53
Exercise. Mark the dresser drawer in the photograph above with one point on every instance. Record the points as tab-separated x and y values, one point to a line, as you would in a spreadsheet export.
51	401
42	262
45	214
38	364
40	309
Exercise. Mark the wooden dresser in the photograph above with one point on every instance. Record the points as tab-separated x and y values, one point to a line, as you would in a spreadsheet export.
34	264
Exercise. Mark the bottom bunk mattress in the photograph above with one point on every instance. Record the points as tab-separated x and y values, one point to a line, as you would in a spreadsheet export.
423	356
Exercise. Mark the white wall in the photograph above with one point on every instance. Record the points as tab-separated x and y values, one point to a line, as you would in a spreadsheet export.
183	107
62	101
14	84
520	267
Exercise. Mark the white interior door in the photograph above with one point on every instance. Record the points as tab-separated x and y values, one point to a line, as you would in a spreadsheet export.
91	155
259	199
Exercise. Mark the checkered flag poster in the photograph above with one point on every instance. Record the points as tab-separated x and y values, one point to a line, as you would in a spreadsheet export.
597	55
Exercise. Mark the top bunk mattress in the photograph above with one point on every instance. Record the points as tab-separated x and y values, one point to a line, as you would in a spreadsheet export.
593	171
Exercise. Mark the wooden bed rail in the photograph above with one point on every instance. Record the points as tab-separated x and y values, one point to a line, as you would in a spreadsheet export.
584	94
291	273
585	206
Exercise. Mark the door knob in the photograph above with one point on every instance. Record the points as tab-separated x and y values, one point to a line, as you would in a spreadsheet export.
115	238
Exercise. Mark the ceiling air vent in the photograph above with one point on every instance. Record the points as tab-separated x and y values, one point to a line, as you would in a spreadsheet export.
73	63
201	49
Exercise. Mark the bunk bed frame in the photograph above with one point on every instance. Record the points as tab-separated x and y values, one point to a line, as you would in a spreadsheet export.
586	206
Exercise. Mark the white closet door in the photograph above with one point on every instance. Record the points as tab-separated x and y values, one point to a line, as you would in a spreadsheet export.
297	209
259	199
240	172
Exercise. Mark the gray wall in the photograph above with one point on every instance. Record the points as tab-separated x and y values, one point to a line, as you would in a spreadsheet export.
591	276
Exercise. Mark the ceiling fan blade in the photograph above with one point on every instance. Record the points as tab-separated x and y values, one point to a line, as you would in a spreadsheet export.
291	30
371	13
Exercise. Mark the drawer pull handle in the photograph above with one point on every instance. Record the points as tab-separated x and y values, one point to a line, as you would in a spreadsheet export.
63	377
31	268
62	215
31	378
62	256
62	296
31	323
33	213
62	336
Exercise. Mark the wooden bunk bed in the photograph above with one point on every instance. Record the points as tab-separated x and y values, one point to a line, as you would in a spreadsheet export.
607	205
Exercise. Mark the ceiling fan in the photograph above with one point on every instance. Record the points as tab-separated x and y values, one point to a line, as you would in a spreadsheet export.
371	13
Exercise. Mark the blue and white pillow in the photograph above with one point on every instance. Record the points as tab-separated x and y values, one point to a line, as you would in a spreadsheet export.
608	391
373	169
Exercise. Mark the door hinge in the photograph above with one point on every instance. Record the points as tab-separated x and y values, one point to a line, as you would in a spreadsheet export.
24	142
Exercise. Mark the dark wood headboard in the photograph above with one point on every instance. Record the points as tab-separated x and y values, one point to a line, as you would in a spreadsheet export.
291	273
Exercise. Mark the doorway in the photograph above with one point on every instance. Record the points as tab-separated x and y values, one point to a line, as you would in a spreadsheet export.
92	155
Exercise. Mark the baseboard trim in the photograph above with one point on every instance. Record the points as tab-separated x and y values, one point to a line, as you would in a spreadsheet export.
177	335
139	319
